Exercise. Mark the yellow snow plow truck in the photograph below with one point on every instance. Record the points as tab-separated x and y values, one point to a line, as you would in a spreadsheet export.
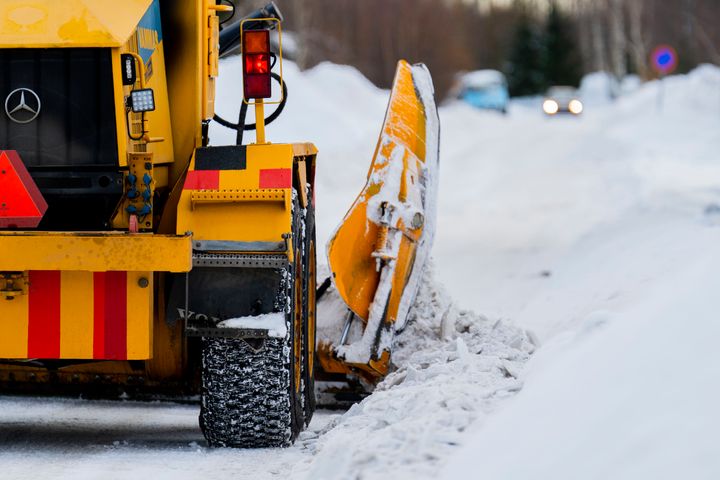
137	258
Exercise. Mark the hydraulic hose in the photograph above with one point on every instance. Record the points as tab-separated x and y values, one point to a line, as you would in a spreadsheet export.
241	126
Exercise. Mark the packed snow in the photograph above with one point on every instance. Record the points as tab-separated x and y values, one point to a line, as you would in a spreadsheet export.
453	368
615	265
274	323
483	78
567	329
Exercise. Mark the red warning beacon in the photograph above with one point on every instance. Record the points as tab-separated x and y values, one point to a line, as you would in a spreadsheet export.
21	203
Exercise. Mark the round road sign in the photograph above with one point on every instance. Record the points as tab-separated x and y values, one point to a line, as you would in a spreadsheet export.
664	59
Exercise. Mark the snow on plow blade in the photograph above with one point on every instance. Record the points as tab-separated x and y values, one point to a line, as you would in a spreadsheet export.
378	253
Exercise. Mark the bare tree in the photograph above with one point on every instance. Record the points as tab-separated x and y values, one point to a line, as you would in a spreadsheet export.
456	35
598	42
639	48
618	41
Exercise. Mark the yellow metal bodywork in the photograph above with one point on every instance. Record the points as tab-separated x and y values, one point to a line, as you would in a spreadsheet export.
240	209
76	319
94	252
97	24
180	66
157	124
68	23
191	63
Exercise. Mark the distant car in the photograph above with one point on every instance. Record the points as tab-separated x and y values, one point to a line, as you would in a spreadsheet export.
483	89
562	100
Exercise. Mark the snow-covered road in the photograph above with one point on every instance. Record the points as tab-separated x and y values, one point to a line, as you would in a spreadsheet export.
88	440
599	234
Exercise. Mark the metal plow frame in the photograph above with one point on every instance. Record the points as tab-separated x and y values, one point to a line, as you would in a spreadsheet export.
378	253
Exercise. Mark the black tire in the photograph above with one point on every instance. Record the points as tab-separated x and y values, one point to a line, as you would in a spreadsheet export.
309	311
250	396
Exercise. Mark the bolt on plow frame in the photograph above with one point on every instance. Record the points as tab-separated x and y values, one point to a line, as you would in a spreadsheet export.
136	258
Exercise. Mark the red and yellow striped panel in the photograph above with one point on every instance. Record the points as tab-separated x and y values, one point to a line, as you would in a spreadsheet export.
81	316
259	167
210	179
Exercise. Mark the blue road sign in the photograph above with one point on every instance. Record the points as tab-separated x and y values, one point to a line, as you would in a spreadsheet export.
664	59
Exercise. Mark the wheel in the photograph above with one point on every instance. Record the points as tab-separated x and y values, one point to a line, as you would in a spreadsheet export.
251	392
309	312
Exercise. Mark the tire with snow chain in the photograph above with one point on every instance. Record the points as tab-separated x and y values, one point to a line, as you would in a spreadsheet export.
250	394
246	396
309	311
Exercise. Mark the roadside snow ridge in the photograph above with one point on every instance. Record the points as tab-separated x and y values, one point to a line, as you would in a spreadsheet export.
452	367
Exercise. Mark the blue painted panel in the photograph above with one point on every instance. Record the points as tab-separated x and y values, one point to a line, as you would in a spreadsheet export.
150	31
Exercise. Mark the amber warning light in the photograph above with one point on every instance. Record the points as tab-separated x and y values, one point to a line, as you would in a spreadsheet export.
256	64
21	203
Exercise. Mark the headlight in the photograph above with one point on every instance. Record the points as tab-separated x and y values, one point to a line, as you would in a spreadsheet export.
550	107
575	107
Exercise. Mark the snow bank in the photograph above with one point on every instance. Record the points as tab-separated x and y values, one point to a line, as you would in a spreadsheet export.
624	296
453	367
630	392
482	78
598	88
524	188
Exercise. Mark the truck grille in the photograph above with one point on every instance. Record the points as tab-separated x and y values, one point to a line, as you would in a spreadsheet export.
70	148
76	124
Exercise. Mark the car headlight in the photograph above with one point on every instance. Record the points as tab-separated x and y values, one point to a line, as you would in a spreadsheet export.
550	107
575	107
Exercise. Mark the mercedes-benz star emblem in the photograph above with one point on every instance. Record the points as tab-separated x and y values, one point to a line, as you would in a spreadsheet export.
22	105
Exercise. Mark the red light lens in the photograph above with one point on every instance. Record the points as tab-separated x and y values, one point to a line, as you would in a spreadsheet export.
257	64
256	41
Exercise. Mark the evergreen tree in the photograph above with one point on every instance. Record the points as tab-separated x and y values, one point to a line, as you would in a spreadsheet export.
561	58
525	66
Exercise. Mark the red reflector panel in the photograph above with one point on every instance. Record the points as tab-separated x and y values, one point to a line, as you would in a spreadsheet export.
110	316
202	180
257	86
276	178
44	315
21	203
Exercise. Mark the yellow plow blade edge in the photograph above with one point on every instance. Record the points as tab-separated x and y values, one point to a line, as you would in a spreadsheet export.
378	253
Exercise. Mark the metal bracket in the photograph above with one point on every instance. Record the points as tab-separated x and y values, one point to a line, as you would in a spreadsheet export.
238	333
239	261
200	197
230	246
13	284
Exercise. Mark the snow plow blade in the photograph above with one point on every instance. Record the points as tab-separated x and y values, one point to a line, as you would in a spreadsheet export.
378	253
